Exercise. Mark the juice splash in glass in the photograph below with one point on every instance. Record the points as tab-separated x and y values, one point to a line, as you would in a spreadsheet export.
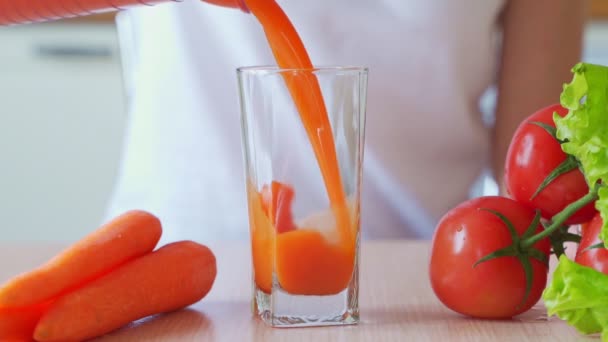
303	136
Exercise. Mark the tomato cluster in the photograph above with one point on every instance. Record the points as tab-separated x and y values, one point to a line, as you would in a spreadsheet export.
533	155
489	255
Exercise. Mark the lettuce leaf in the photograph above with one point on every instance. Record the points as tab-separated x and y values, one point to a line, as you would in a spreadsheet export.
585	128
579	295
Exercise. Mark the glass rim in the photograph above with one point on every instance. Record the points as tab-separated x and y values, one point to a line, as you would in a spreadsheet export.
273	69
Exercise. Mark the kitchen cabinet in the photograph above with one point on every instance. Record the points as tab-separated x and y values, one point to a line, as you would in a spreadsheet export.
62	115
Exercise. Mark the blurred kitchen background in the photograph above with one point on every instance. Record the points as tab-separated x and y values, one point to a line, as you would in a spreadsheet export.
62	117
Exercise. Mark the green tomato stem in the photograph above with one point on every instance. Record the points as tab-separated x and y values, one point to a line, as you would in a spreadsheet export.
561	217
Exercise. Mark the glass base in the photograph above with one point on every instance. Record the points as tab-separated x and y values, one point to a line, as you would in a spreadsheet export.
284	310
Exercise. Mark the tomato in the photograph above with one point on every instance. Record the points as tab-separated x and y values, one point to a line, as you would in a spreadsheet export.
276	201
532	156
493	288
596	258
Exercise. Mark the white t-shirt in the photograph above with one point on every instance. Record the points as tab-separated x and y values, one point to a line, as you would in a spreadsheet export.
429	63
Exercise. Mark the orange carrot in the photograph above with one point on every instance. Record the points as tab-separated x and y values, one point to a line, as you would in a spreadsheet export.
129	236
173	277
19	324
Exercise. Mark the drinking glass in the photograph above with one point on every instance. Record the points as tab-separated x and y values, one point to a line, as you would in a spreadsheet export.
303	133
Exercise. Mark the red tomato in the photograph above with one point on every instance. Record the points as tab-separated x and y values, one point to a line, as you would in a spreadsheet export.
532	156
494	288
596	258
276	201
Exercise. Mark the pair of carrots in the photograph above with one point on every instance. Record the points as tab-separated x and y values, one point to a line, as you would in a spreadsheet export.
105	281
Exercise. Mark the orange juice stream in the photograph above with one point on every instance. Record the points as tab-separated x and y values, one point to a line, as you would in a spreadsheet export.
305	262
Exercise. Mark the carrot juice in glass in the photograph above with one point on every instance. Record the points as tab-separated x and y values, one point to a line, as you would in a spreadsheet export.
303	135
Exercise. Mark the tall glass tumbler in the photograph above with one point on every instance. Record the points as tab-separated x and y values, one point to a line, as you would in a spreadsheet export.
303	136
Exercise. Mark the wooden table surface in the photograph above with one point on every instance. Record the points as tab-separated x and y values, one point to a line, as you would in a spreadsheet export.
397	304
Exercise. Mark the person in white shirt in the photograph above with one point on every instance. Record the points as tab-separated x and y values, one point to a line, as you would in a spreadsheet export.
427	142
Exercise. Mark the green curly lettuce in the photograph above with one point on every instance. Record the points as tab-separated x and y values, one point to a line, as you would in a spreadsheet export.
579	295
584	129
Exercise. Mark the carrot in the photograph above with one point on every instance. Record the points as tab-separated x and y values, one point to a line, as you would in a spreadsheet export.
173	277
19	324
129	236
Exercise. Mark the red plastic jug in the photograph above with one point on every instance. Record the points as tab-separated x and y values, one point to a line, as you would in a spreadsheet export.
14	12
